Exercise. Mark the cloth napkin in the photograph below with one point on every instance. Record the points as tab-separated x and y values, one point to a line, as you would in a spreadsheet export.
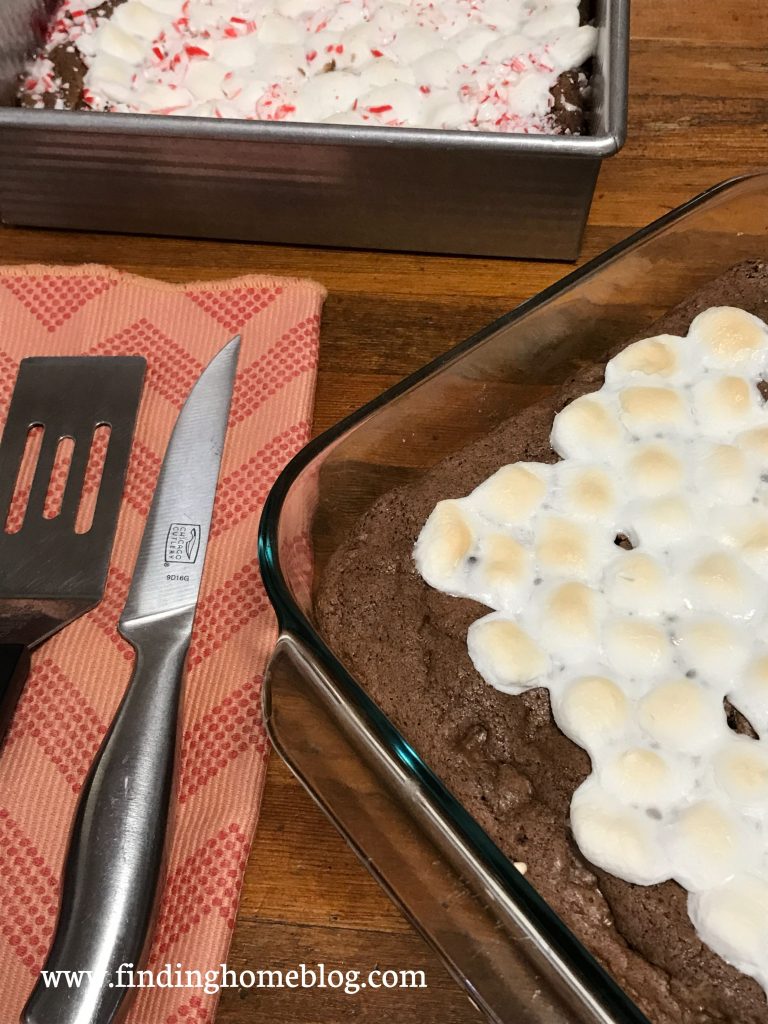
79	676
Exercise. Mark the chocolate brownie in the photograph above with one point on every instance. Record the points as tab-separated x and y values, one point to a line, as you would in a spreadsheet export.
503	756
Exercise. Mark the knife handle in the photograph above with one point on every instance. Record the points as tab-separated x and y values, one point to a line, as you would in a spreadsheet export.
14	669
116	856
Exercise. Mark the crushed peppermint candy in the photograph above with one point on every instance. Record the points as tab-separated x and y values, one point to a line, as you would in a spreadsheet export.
476	65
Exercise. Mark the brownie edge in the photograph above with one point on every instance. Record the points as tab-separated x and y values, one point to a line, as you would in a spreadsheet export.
502	756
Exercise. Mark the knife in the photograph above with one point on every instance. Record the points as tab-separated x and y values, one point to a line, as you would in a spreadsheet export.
115	860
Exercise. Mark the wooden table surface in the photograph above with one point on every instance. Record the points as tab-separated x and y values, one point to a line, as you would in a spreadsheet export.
697	115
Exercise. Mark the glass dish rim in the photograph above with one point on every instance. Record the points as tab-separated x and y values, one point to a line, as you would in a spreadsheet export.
292	620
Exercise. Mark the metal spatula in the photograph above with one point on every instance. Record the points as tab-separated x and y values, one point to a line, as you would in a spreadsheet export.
50	574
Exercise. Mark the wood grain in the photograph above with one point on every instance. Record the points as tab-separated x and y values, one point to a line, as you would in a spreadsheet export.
697	116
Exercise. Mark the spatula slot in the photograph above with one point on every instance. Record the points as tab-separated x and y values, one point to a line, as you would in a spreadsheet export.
59	476
93	474
17	508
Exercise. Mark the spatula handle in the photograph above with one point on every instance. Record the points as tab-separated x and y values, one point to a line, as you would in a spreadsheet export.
14	669
115	861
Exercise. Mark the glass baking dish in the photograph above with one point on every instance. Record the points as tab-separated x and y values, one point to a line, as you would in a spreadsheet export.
516	959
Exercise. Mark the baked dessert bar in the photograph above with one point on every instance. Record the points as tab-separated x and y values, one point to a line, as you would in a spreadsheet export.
477	65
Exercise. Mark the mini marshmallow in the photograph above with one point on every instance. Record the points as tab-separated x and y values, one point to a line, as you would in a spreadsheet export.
113	41
136	18
592	710
163	98
325	95
276	30
434	70
342	19
724	405
571	49
199	16
504	559
746	529
235	53
617	838
205	78
653	469
643	778
505	655
526	92
506	49
648	410
253	88
113	76
398	101
732	919
412	43
712	648
728	336
639	584
553	20
356	53
513	494
636	648
652	357
506	15
444	542
471	43
564	547
741	771
719	582
682	715
381	73
661	523
586	428
707	846
725	473
568	623
503	573
586	492
388	19
272	63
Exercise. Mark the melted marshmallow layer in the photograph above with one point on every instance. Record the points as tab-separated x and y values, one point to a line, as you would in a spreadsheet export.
640	644
483	65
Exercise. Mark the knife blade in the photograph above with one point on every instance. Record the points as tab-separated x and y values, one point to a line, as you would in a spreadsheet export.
115	860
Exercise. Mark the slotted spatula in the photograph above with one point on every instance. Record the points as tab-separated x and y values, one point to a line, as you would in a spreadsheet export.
50	574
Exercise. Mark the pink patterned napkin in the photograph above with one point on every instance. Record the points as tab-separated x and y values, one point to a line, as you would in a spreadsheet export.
78	677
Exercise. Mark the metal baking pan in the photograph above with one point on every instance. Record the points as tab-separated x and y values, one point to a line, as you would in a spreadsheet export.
517	960
365	187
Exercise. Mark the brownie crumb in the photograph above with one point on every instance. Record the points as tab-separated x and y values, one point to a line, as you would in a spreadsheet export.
568	102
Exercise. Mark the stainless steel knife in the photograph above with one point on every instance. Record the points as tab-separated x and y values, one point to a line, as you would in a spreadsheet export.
115	860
